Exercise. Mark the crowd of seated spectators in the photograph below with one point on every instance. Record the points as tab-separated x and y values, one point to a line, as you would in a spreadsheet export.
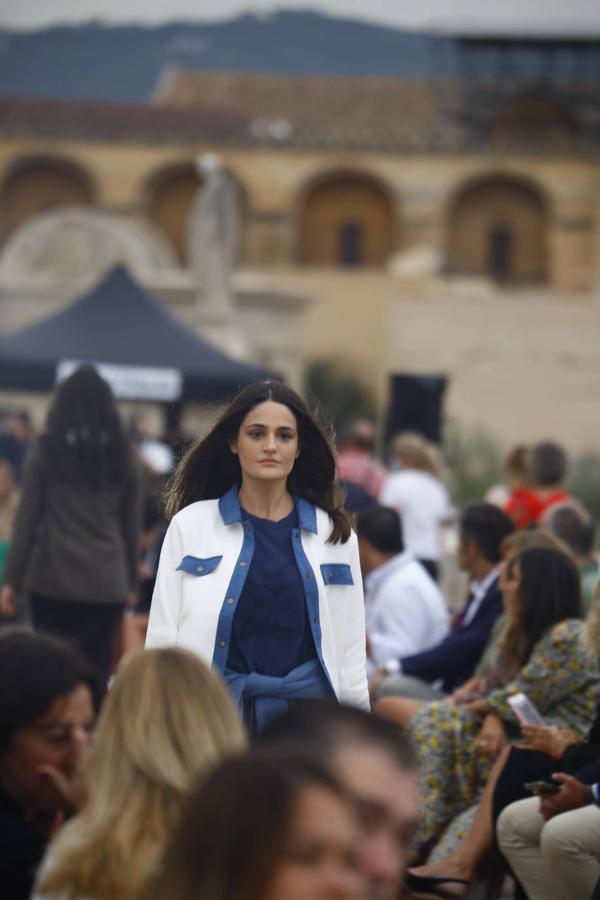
148	789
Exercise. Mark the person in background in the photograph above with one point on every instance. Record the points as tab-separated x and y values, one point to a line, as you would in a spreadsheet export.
259	571
9	501
547	466
376	765
265	826
433	673
405	611
419	495
574	525
16	435
357	463
48	702
546	657
167	721
516	480
75	539
135	622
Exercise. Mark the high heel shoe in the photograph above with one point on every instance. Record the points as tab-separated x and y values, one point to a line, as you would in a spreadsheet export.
424	887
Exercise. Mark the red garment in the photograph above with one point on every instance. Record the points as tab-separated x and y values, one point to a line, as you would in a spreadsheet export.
361	468
526	507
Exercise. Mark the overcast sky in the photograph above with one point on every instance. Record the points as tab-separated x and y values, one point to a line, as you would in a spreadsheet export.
545	14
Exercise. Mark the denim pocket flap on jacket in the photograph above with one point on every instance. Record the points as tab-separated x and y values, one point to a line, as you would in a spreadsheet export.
195	565
337	573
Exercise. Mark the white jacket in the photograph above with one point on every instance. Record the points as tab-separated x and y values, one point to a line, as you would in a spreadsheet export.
203	566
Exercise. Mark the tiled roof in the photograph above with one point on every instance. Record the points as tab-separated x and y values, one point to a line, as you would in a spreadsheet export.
315	110
118	122
337	113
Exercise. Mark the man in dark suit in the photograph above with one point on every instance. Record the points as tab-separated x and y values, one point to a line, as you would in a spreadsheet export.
436	672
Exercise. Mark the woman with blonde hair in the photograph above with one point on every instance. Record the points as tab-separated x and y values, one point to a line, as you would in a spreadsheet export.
419	495
166	722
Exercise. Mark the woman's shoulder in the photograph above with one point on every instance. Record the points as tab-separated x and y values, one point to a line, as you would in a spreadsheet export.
565	637
194	512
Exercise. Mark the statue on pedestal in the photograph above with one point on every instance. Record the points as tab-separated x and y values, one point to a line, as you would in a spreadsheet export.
213	236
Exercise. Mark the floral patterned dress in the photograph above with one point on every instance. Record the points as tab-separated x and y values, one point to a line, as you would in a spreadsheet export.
562	679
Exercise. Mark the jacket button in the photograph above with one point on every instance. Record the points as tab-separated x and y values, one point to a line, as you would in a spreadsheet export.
200	569
230	602
316	620
307	574
221	644
330	576
243	565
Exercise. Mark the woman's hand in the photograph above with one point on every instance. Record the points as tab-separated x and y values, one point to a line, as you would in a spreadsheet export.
548	739
7	601
491	739
572	795
479	707
473	687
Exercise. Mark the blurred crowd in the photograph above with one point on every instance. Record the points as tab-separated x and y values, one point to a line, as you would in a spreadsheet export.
128	774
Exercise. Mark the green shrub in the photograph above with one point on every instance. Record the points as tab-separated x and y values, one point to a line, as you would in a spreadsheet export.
339	392
474	462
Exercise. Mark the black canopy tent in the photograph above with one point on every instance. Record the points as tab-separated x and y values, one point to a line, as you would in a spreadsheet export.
120	326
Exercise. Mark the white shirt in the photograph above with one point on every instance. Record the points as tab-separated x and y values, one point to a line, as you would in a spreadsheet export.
405	611
423	503
478	590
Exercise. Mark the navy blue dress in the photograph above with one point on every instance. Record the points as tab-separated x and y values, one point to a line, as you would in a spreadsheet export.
271	632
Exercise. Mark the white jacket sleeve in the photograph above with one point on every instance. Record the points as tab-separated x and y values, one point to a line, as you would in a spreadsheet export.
354	689
163	624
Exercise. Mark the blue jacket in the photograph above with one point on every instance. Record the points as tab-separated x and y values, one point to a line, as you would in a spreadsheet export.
453	661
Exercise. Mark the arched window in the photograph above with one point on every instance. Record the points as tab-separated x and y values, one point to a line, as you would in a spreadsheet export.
498	228
170	196
346	220
37	184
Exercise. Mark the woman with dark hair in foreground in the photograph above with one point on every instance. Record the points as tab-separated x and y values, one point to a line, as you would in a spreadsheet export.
266	826
75	540
259	571
48	702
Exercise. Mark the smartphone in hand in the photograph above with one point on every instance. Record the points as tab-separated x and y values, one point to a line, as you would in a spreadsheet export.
542	787
524	710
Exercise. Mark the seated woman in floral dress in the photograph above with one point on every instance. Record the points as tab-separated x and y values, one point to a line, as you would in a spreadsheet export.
545	655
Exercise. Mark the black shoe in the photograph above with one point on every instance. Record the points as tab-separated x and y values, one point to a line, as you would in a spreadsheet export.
425	887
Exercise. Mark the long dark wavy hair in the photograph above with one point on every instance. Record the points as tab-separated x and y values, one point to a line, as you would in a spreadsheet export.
84	438
210	468
549	593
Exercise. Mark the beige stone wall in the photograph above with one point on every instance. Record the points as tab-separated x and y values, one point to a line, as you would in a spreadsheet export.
421	191
524	364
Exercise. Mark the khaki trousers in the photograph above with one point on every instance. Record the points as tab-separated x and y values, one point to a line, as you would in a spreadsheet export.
558	859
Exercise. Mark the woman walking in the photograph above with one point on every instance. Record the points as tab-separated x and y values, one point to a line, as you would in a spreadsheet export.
259	571
75	540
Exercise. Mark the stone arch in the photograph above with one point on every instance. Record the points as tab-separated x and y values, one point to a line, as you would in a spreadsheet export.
346	218
169	195
38	184
498	227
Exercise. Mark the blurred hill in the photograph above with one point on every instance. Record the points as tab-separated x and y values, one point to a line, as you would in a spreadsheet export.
124	63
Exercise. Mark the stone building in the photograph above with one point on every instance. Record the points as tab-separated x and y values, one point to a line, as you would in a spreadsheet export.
448	225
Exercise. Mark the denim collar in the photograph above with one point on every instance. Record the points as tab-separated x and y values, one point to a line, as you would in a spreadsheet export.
229	507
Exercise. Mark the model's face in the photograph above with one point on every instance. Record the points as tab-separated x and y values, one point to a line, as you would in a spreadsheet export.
267	442
320	861
57	740
510	583
387	802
